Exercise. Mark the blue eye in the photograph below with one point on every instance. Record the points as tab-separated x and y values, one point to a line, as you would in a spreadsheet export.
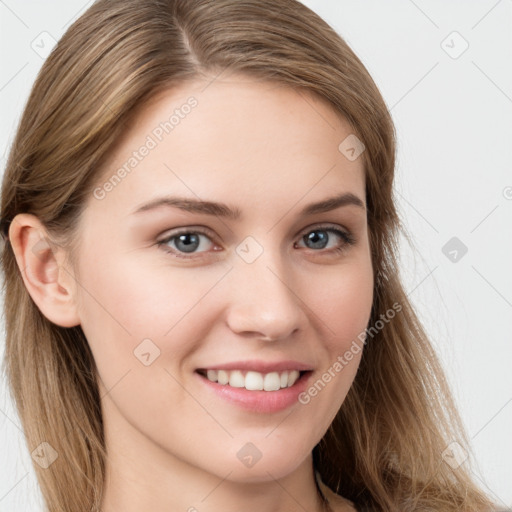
319	238
187	242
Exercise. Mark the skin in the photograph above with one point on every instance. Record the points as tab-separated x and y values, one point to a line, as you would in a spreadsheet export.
269	151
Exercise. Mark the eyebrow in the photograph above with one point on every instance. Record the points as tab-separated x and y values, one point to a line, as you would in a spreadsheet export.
229	212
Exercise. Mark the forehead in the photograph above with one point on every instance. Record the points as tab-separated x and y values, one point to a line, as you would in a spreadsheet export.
254	140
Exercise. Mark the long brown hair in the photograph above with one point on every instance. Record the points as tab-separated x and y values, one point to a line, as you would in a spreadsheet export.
384	450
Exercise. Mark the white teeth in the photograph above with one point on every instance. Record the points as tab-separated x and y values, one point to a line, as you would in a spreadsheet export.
223	377
272	382
292	377
212	375
236	379
254	381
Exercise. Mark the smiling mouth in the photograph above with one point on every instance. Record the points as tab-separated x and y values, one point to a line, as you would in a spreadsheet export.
253	381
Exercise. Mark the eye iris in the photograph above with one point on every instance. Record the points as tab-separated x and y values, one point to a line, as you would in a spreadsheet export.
319	241
190	240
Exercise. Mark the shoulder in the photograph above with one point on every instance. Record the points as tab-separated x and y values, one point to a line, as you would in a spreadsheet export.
336	502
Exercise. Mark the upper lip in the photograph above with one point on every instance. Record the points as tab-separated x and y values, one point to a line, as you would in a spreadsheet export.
260	366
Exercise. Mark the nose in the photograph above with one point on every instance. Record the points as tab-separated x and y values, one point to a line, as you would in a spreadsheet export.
262	300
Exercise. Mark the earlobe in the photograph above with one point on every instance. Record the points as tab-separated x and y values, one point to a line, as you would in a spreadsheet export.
40	261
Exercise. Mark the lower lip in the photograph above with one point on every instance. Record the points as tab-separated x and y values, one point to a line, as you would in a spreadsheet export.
259	401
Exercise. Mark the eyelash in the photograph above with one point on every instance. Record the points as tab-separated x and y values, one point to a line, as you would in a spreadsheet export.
347	237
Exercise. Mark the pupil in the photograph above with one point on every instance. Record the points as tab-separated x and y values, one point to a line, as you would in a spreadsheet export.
313	237
189	246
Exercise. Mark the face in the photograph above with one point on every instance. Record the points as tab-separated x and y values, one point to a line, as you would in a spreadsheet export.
205	260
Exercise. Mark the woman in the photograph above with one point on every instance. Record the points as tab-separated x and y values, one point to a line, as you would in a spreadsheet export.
203	309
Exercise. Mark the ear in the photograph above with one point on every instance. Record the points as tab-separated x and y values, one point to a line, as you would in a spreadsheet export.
49	283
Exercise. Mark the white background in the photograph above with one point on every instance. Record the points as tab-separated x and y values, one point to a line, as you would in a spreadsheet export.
453	115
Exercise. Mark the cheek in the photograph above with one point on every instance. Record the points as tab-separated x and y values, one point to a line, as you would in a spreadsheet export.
343	307
344	303
125	302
